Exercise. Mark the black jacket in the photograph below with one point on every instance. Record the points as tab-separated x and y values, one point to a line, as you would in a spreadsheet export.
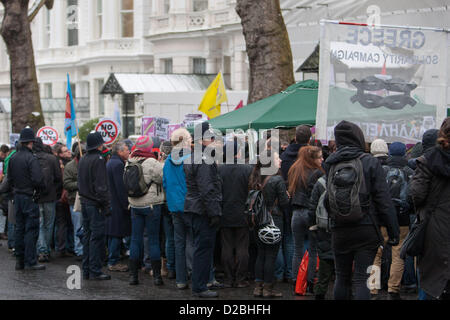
288	158
234	194
275	195
51	172
203	187
119	223
24	172
301	197
324	248
430	191
402	164
381	206
92	180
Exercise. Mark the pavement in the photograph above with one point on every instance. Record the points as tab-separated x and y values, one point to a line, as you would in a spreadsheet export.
52	284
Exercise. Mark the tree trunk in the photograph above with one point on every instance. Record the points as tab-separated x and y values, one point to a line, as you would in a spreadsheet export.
268	47
26	107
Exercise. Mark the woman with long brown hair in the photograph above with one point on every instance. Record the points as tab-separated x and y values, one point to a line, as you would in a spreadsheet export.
302	176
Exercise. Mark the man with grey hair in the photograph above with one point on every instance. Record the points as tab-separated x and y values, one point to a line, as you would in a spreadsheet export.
118	225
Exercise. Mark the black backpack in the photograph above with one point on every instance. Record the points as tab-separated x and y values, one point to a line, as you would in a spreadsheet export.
47	173
256	210
397	180
133	179
345	189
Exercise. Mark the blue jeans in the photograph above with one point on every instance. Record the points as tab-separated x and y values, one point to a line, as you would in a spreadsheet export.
11	228
344	263
27	228
204	240
77	225
93	240
114	245
283	264
183	246
300	229
150	219
170	241
46	222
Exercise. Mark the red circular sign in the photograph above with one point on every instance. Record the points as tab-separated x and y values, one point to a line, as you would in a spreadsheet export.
109	130
48	135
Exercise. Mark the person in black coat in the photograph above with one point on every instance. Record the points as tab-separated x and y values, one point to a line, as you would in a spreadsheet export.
94	197
430	192
357	244
26	179
47	201
234	226
276	200
118	225
202	207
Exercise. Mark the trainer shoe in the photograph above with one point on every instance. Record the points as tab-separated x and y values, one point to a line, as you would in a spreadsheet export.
118	267
205	294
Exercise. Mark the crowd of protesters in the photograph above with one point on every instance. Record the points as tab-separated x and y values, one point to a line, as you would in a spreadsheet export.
188	220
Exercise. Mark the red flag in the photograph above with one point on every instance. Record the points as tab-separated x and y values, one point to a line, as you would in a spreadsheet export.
240	105
383	71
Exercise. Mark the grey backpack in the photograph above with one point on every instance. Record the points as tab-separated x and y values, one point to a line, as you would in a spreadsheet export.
345	187
322	219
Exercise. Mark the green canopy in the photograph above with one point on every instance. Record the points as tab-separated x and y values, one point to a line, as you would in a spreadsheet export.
292	107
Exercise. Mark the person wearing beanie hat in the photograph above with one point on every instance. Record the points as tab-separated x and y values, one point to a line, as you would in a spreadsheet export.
146	210
234	228
26	179
356	244
430	188
429	140
379	148
398	176
203	208
95	206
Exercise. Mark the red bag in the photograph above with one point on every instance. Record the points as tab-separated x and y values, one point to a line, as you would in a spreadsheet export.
302	275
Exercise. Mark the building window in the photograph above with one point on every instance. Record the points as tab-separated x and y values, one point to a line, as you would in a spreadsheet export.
166	6
127	18
168	66
100	97
48	90
199	65
72	22
199	5
98	19
47	28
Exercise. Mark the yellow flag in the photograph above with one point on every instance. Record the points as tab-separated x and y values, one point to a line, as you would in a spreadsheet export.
214	96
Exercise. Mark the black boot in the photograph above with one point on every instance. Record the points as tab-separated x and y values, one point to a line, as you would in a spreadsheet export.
156	267
133	266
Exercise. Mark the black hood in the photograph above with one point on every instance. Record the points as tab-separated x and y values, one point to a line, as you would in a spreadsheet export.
349	134
429	139
438	161
38	146
344	153
291	151
397	161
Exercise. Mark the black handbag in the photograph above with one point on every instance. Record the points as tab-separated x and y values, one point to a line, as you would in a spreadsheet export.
414	242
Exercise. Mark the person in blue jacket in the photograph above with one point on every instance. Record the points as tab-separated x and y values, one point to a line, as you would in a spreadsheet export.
174	184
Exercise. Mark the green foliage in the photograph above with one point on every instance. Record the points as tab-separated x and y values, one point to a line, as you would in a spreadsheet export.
87	127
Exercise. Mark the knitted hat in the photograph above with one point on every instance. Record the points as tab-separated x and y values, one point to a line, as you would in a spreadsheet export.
180	135
144	143
379	148
397	149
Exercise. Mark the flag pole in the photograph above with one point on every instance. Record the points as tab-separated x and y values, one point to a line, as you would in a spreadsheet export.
79	142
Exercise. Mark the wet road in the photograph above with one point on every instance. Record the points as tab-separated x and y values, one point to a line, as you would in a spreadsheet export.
51	284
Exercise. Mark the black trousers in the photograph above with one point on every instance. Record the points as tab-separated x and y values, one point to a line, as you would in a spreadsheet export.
64	227
235	253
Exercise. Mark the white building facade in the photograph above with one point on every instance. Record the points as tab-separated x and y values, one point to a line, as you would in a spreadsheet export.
90	39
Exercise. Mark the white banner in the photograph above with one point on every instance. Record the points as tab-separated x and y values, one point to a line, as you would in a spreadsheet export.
390	80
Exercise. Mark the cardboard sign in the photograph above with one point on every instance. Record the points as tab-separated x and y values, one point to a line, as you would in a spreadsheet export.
172	128
148	126
109	129
48	135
